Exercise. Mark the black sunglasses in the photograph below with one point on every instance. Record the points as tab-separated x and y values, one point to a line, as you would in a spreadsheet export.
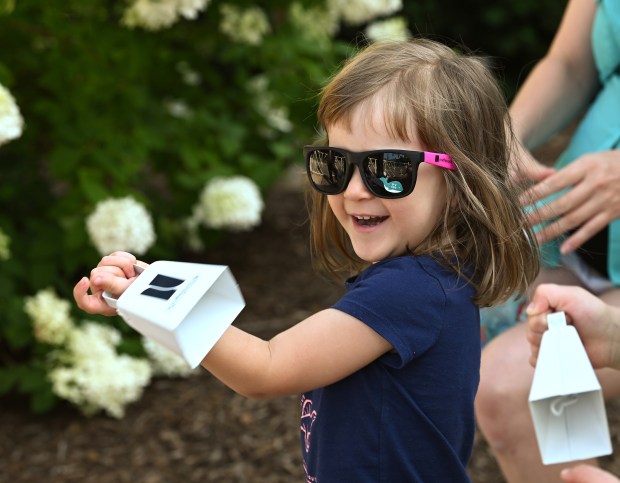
387	173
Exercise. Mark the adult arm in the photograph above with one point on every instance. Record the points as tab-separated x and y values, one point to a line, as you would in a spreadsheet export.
558	90
562	83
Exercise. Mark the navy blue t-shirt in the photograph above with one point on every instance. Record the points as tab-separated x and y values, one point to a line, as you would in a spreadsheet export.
409	415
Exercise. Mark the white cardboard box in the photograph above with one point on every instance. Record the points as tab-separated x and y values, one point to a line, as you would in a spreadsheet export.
186	307
565	399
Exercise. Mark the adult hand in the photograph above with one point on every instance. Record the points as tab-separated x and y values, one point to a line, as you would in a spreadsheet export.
587	474
591	204
523	166
113	274
597	323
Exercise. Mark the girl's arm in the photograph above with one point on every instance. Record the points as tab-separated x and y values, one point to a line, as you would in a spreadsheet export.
562	83
322	349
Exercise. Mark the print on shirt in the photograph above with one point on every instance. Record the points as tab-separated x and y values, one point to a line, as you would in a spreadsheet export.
309	479
308	416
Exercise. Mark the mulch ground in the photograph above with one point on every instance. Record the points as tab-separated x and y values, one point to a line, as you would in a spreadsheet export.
196	429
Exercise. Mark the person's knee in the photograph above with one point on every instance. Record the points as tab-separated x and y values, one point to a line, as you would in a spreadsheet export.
501	416
501	401
493	408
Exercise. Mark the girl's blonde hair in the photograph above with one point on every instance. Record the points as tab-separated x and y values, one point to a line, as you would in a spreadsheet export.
456	107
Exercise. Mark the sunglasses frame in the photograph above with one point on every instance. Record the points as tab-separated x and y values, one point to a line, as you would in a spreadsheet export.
358	159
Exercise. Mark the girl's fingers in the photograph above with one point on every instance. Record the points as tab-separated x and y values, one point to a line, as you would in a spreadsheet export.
112	270
90	303
122	260
105	281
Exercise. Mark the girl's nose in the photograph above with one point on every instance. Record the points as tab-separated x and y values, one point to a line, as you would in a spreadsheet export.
356	189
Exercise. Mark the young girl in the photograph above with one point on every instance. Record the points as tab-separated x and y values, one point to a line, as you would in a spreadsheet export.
412	195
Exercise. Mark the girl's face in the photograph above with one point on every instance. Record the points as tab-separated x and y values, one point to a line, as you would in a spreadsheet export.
383	228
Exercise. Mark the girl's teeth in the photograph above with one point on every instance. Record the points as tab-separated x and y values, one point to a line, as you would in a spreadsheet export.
369	220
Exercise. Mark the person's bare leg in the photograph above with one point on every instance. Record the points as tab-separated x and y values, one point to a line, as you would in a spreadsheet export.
612	297
502	410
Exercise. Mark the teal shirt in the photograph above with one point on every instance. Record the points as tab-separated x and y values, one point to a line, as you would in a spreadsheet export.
599	129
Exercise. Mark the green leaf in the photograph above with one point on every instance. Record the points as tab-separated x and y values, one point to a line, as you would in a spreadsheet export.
8	379
43	400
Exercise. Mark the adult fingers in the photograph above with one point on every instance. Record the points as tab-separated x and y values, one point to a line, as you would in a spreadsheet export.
559	180
584	233
534	338
526	168
587	474
549	297
585	215
574	207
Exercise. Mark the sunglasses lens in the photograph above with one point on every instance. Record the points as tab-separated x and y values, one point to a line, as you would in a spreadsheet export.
327	170
389	175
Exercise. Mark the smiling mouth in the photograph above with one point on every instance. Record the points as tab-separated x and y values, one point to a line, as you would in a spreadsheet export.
369	220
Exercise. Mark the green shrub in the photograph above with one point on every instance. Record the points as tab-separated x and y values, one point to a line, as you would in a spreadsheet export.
140	117
514	34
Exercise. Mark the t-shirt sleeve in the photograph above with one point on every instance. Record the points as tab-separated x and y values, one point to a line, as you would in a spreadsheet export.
404	303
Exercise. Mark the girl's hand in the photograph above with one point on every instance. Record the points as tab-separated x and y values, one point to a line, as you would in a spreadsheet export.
591	204
113	274
597	323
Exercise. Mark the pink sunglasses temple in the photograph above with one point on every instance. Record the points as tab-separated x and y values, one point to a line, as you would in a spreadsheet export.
441	160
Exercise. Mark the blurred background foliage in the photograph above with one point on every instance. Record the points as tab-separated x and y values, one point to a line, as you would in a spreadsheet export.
112	111
513	34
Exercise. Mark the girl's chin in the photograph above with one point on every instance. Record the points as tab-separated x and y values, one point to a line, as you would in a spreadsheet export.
376	257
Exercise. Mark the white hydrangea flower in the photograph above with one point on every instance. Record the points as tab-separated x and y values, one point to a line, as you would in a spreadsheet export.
5	246
190	76
190	9
357	12
151	14
120	224
277	117
178	108
314	22
246	26
191	225
159	14
394	28
164	362
233	203
50	315
11	120
94	377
